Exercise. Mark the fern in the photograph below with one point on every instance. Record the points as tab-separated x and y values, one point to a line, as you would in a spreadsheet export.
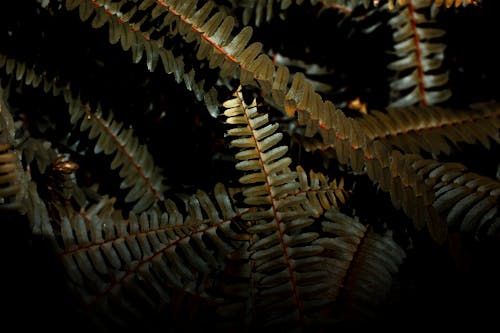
136	165
129	266
279	250
317	202
12	187
420	78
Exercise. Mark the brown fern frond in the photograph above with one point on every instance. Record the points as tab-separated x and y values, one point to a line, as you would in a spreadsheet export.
288	291
370	278
12	183
322	194
212	29
344	6
399	175
347	6
361	264
11	187
355	144
420	77
137	168
130	34
439	3
383	165
466	200
434	129
132	266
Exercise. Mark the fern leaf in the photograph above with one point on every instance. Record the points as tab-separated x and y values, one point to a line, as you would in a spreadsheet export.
321	194
136	165
12	183
419	59
108	258
11	187
361	263
466	199
439	3
292	295
133	37
433	129
130	155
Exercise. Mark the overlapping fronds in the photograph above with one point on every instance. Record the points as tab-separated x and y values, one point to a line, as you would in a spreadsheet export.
388	168
420	77
141	176
288	286
133	28
349	5
361	263
437	130
272	249
125	269
434	129
398	175
468	201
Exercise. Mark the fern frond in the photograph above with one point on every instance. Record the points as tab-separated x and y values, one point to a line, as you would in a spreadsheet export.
288	290
12	183
421	78
343	6
130	34
467	201
410	191
37	213
433	129
361	263
438	3
132	266
137	168
382	164
11	187
356	144
321	194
